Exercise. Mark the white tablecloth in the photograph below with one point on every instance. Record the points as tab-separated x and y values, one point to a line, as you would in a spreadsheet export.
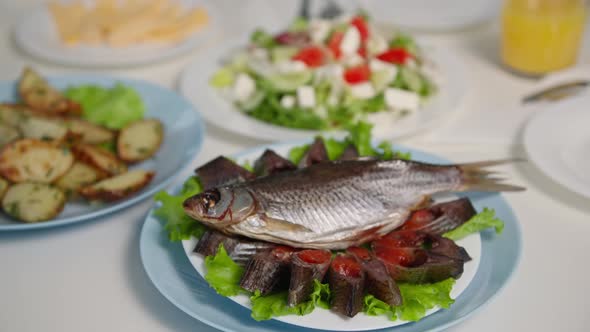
88	277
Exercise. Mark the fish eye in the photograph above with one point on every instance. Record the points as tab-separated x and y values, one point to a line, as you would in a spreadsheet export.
210	198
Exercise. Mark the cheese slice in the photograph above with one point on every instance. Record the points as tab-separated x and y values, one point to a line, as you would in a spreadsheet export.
126	22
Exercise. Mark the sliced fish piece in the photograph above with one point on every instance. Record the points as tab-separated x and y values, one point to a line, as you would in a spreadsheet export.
417	257
266	269
315	154
306	266
378	281
270	162
440	218
350	153
347	285
239	249
222	171
446	247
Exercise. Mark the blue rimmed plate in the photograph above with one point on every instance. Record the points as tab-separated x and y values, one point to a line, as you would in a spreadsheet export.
172	273
183	129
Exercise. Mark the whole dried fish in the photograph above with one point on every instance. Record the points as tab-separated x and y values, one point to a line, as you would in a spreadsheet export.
334	205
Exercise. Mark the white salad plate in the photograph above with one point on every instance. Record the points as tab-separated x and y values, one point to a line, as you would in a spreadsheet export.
183	135
177	273
219	111
37	35
557	141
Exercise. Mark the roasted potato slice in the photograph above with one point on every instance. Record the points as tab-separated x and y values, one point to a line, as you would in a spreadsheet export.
118	187
140	140
34	161
8	134
36	92
43	128
33	202
80	175
89	132
11	115
99	158
3	187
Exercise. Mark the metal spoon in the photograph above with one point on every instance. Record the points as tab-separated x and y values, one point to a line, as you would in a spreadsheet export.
557	92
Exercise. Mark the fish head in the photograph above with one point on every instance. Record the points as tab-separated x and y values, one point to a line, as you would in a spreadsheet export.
220	207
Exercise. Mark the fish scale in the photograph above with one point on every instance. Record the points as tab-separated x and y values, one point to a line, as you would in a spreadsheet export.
334	205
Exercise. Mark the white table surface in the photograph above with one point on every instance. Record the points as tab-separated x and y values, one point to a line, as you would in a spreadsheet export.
89	277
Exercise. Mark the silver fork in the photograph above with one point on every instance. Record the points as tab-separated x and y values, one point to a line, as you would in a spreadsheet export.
557	92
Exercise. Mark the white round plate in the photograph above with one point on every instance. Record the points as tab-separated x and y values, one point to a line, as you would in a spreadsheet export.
37	35
217	110
557	141
167	265
433	15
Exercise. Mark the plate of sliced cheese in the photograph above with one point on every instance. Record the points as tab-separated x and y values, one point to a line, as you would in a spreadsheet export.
114	33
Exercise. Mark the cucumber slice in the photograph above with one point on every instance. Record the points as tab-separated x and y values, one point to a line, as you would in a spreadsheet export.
252	102
412	79
282	53
222	78
289	82
382	78
239	62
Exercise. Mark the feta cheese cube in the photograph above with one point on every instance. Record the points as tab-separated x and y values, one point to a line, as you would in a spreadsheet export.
378	65
306	96
321	111
331	72
351	41
411	63
332	100
363	90
288	101
336	72
243	88
319	30
376	44
286	67
398	99
382	73
382	118
260	53
353	60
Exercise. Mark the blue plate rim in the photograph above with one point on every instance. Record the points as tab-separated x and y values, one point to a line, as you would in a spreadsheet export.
508	277
200	135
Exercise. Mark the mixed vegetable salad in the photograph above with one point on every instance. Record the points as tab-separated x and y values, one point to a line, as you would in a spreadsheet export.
223	274
323	74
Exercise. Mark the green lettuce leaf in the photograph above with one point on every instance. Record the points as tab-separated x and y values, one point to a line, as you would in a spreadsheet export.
375	307
263	39
479	222
418	299
296	153
111	107
178	225
275	304
223	274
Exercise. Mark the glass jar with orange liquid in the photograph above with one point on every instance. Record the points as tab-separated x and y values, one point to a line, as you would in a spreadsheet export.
540	36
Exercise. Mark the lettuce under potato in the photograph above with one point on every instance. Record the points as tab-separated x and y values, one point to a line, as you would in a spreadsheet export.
113	107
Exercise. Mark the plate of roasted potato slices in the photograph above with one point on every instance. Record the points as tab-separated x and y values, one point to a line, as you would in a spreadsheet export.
73	148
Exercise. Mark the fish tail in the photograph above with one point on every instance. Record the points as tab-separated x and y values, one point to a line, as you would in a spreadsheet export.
475	177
